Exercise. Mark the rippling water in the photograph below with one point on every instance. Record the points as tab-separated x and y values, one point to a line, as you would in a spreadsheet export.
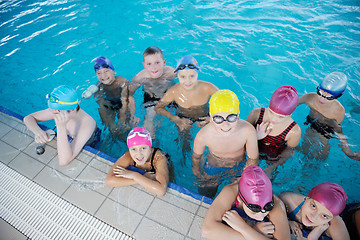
250	47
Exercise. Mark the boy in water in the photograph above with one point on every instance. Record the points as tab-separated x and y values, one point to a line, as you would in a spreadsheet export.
190	95
155	79
326	115
69	119
111	96
227	138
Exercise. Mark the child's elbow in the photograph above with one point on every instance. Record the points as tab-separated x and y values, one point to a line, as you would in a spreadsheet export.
205	231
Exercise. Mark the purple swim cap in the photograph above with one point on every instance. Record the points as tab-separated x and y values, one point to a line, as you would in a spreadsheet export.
255	186
139	136
331	195
102	62
284	100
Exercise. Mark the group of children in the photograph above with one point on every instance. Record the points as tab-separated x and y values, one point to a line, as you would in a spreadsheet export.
233	144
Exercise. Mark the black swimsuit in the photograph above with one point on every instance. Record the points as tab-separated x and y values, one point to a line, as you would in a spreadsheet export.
325	130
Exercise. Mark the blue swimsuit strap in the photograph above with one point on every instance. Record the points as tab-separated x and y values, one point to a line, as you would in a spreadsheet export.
292	215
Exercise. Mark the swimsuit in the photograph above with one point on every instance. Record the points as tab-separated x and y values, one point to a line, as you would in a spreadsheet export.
321	128
272	146
153	170
292	215
150	101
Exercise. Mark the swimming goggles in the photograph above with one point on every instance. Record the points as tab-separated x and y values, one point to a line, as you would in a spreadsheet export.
56	100
98	66
326	97
183	66
257	208
230	118
140	134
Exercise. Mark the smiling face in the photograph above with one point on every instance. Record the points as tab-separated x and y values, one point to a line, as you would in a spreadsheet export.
188	78
154	65
140	154
226	127
314	213
106	76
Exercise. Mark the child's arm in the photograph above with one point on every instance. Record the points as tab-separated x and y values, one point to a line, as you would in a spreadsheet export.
115	181
134	84
124	100
120	176
68	151
198	151
212	227
278	218
306	99
31	121
160	109
251	146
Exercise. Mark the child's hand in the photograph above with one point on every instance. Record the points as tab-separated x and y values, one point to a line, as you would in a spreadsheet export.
262	130
266	228
295	228
123	172
42	137
317	231
184	123
203	121
61	118
233	219
134	120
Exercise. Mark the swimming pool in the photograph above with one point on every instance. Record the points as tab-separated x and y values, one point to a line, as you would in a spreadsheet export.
250	47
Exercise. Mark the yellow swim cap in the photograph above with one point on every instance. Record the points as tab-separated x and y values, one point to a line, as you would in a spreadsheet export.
224	101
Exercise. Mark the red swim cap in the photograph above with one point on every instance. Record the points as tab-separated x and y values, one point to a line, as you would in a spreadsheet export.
284	100
255	186
331	195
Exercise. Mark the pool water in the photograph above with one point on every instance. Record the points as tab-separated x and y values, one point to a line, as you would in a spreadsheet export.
250	47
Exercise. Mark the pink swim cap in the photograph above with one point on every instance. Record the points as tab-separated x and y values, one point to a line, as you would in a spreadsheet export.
139	136
255	186
331	195
284	100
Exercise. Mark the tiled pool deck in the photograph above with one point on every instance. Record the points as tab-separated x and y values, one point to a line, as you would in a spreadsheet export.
132	210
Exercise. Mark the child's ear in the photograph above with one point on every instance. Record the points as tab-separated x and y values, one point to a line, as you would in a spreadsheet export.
164	62
143	63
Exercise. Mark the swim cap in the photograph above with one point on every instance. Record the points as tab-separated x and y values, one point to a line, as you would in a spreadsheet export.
284	100
139	136
334	83
103	62
62	98
331	195
255	186
224	101
187	62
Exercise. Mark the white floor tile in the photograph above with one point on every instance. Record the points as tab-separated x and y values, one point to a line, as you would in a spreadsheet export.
132	198
46	157
17	139
85	199
26	165
149	230
118	216
53	181
170	216
7	152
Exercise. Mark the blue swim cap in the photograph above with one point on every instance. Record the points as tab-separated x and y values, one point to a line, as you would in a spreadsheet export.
187	62
103	62
334	83
63	98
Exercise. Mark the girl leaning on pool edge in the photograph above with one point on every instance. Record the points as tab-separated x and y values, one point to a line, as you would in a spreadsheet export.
318	212
254	200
